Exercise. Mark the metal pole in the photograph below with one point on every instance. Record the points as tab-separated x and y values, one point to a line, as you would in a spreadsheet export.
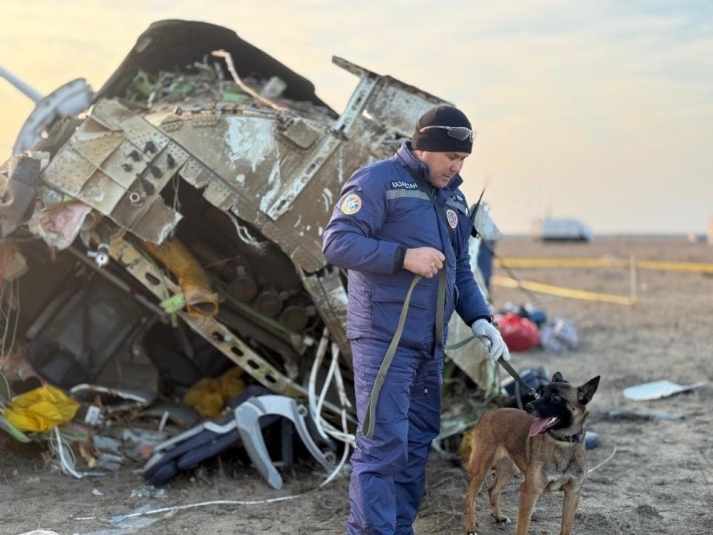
632	272
25	88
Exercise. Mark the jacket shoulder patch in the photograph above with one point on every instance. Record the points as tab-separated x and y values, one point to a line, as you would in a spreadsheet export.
351	204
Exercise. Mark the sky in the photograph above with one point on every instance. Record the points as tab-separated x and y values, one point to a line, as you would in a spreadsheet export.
599	110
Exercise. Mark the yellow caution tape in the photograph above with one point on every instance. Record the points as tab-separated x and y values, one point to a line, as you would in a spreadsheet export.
602	262
675	266
507	282
560	262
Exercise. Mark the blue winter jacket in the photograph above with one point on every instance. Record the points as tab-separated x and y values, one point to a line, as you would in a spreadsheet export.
382	208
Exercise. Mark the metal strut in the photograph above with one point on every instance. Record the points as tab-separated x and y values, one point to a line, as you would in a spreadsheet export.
211	329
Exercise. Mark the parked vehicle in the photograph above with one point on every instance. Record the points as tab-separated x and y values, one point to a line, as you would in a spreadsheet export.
561	229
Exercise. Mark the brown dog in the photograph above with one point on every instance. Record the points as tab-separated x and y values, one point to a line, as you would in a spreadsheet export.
547	445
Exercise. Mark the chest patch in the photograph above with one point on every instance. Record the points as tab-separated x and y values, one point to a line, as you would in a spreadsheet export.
452	218
351	204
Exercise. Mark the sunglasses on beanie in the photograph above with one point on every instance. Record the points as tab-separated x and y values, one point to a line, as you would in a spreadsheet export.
461	133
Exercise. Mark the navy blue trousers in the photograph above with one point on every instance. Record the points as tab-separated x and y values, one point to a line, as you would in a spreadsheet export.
389	469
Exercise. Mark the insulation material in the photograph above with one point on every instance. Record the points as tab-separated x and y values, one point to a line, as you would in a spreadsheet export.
41	409
194	282
209	395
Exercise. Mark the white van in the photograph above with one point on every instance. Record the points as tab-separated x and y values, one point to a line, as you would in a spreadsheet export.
561	229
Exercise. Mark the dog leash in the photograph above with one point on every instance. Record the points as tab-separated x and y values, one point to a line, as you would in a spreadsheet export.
370	416
504	363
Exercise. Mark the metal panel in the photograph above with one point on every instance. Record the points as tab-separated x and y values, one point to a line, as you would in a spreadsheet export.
397	106
68	171
118	163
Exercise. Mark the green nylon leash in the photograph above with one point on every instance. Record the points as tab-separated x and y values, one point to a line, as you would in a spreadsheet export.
504	363
370	417
460	344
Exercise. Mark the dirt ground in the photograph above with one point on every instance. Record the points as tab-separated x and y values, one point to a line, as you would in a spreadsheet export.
649	476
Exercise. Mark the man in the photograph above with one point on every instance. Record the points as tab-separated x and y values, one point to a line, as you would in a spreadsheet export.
397	219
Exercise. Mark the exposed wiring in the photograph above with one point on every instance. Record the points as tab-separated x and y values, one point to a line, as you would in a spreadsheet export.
602	463
325	386
245	235
13	302
344	402
120	518
5	316
315	401
231	68
334	372
311	387
67	465
7	389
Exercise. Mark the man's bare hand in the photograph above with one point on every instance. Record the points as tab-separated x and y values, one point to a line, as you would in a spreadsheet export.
424	261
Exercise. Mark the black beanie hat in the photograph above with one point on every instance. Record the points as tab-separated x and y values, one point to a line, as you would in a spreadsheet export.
437	139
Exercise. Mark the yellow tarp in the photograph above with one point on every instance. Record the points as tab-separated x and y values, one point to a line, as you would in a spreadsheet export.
209	395
41	409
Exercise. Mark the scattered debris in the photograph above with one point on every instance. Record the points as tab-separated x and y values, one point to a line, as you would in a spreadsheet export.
629	415
519	333
168	237
41	409
591	440
658	390
559	335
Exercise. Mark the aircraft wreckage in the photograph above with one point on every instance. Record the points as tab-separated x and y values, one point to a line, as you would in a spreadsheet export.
180	212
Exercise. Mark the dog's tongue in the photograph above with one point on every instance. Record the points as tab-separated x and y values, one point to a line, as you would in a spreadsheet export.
537	426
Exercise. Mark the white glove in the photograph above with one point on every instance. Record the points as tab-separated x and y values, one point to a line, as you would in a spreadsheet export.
491	339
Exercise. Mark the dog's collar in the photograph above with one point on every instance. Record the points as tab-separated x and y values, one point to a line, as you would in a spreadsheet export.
577	437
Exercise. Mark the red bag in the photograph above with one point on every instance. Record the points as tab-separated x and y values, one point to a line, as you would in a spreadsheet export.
519	334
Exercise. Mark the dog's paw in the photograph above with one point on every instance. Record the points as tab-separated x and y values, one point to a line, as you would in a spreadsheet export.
501	519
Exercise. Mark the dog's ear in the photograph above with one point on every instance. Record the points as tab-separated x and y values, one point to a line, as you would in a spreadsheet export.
587	390
557	378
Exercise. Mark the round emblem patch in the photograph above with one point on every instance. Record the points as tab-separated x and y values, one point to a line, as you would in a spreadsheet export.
452	218
351	204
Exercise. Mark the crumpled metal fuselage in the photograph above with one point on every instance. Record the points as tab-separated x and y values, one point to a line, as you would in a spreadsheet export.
240	177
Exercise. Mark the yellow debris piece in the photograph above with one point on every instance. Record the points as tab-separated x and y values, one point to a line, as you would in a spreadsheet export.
209	395
466	444
41	409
